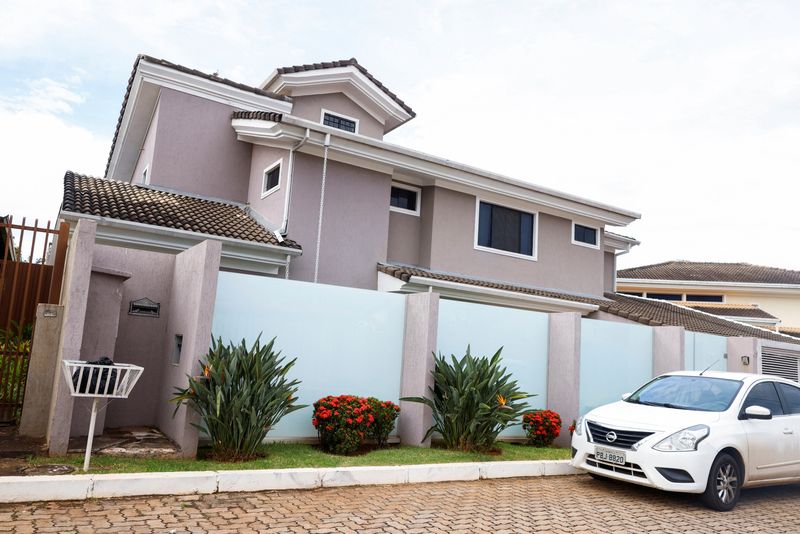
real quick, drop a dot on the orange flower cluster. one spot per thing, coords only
(343, 421)
(541, 427)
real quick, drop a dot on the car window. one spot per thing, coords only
(687, 392)
(764, 394)
(791, 396)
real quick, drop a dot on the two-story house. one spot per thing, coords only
(295, 179)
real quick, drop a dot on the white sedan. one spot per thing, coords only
(709, 433)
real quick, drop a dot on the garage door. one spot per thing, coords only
(780, 362)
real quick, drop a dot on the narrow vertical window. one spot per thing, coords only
(271, 180)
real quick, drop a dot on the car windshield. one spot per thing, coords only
(681, 392)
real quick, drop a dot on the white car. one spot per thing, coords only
(709, 433)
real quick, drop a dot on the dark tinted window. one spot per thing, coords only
(334, 121)
(704, 298)
(505, 229)
(272, 178)
(404, 199)
(764, 394)
(664, 296)
(791, 396)
(584, 234)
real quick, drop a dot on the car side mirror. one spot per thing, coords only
(757, 412)
(625, 396)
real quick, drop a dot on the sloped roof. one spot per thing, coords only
(751, 311)
(352, 62)
(123, 201)
(642, 310)
(712, 272)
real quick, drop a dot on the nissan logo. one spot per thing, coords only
(611, 437)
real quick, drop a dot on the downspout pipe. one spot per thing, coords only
(321, 205)
(284, 229)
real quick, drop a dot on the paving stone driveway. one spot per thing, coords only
(552, 504)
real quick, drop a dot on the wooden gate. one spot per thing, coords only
(31, 272)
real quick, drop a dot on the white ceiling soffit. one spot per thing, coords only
(384, 157)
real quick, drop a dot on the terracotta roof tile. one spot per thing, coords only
(642, 310)
(352, 62)
(712, 272)
(729, 310)
(258, 115)
(127, 202)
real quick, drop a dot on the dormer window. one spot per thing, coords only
(271, 181)
(340, 122)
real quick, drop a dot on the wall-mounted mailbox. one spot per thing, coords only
(144, 307)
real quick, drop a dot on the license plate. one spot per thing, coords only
(611, 456)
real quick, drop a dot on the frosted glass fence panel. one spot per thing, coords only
(616, 358)
(704, 351)
(345, 340)
(522, 334)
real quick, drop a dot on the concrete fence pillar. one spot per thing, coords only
(419, 344)
(669, 349)
(739, 347)
(564, 369)
(42, 369)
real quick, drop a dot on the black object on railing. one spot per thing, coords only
(93, 381)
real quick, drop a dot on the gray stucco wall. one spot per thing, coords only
(355, 222)
(310, 108)
(609, 271)
(560, 264)
(140, 340)
(197, 150)
(271, 207)
(404, 238)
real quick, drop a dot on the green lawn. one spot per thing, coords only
(288, 455)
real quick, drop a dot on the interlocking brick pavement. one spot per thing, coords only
(551, 504)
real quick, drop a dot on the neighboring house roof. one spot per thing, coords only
(711, 272)
(123, 201)
(751, 311)
(186, 70)
(352, 62)
(642, 310)
(790, 331)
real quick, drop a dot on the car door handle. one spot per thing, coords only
(788, 431)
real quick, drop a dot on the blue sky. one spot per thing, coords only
(688, 112)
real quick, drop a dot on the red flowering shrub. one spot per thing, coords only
(572, 427)
(342, 422)
(385, 413)
(541, 427)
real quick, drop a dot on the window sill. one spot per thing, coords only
(506, 253)
(586, 245)
(404, 211)
(267, 193)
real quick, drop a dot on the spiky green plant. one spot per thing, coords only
(242, 393)
(473, 399)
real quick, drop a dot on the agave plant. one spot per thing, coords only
(242, 393)
(473, 399)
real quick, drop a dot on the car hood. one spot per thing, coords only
(651, 418)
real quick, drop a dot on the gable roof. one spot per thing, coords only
(185, 70)
(641, 310)
(352, 62)
(712, 272)
(113, 199)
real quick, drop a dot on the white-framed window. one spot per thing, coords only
(405, 199)
(505, 230)
(585, 236)
(271, 179)
(146, 175)
(338, 121)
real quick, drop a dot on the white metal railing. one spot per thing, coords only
(95, 380)
(99, 381)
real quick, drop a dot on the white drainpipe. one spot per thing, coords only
(321, 205)
(289, 178)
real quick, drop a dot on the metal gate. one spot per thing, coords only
(780, 362)
(31, 272)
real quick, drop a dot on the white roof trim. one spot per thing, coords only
(483, 295)
(372, 153)
(237, 254)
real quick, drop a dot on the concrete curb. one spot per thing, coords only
(79, 487)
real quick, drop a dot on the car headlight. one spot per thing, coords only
(683, 440)
(579, 426)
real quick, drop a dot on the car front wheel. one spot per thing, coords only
(724, 483)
